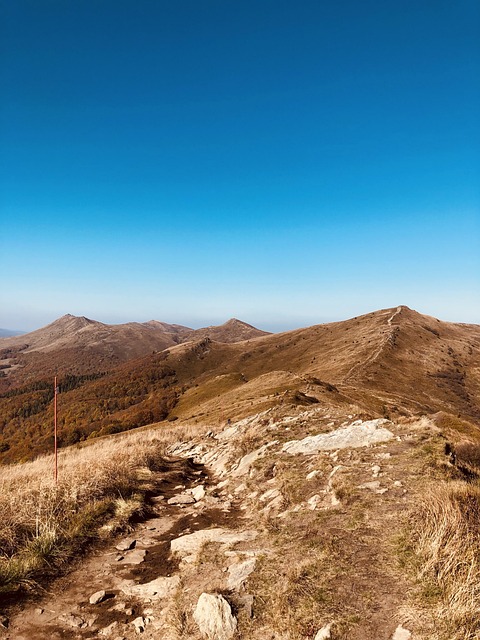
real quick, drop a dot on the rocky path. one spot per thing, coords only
(281, 530)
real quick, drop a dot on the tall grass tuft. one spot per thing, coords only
(446, 535)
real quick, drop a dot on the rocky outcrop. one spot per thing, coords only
(358, 434)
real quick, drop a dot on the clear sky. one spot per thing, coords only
(286, 163)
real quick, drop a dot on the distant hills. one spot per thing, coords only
(7, 333)
(79, 345)
(115, 377)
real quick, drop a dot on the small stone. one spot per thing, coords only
(373, 486)
(129, 612)
(97, 597)
(157, 499)
(137, 556)
(39, 611)
(126, 544)
(312, 474)
(324, 632)
(314, 502)
(401, 633)
(397, 483)
(198, 492)
(106, 631)
(4, 621)
(139, 624)
(72, 620)
(376, 470)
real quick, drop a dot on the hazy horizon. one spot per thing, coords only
(280, 163)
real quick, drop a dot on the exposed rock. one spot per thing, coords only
(72, 620)
(246, 601)
(358, 434)
(182, 498)
(39, 611)
(137, 556)
(107, 631)
(97, 597)
(373, 485)
(190, 544)
(376, 470)
(198, 492)
(314, 502)
(401, 633)
(324, 632)
(239, 572)
(269, 495)
(246, 462)
(157, 589)
(126, 544)
(4, 622)
(214, 618)
(139, 624)
(312, 474)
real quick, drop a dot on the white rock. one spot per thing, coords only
(312, 474)
(182, 498)
(198, 492)
(246, 462)
(401, 633)
(136, 556)
(97, 597)
(240, 489)
(269, 495)
(397, 483)
(214, 618)
(190, 544)
(158, 589)
(239, 572)
(356, 435)
(376, 470)
(314, 501)
(139, 624)
(126, 544)
(373, 486)
(324, 632)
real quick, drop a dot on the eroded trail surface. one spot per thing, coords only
(283, 527)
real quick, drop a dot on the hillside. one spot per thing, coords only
(81, 346)
(390, 362)
(319, 484)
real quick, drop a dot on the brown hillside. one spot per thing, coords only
(231, 331)
(79, 346)
(393, 361)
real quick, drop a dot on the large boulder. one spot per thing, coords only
(214, 617)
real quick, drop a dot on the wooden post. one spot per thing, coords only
(55, 473)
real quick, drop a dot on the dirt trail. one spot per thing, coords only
(263, 521)
(64, 611)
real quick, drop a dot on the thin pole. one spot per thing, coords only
(55, 430)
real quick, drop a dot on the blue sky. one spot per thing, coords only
(287, 163)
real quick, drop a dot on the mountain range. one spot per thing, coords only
(116, 377)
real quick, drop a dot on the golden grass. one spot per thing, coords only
(446, 534)
(42, 524)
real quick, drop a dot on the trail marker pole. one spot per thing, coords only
(55, 473)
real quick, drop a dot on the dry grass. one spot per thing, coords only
(42, 524)
(447, 549)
